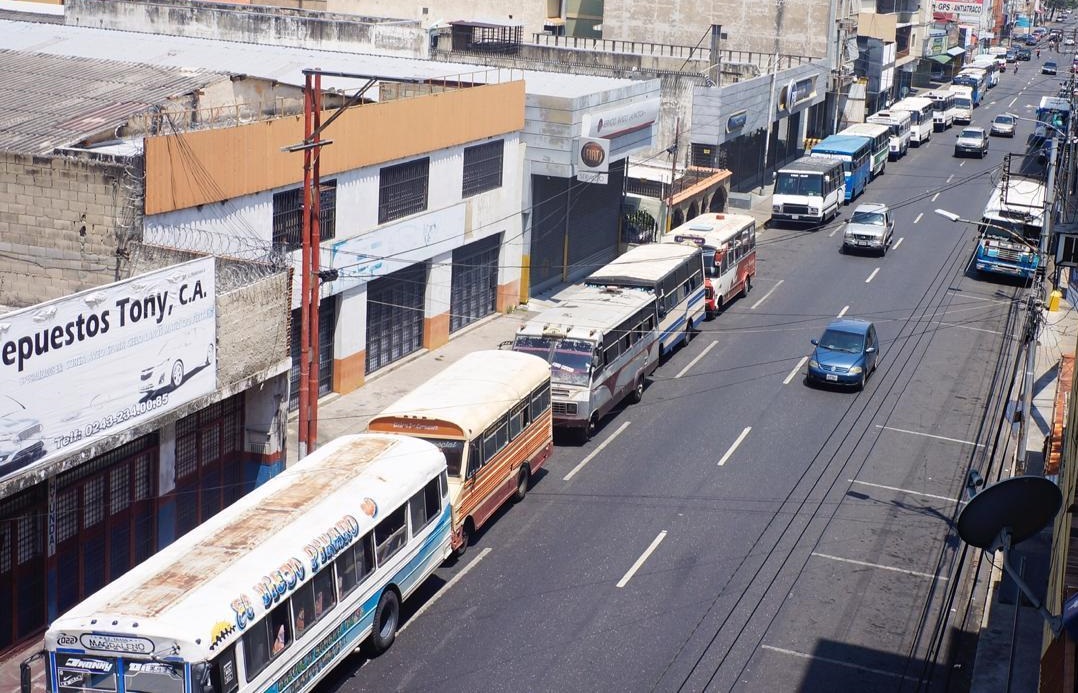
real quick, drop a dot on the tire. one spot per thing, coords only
(637, 395)
(386, 621)
(524, 479)
(861, 383)
(689, 334)
(465, 538)
(588, 431)
(177, 374)
(748, 284)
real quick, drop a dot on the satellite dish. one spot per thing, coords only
(1008, 513)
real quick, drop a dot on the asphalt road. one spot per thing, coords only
(737, 529)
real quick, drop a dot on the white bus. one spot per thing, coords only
(1011, 228)
(920, 110)
(601, 344)
(489, 414)
(963, 103)
(810, 191)
(880, 135)
(898, 122)
(991, 68)
(276, 589)
(674, 275)
(943, 108)
(729, 245)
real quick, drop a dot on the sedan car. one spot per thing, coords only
(1011, 55)
(1023, 54)
(845, 354)
(871, 228)
(1049, 67)
(1003, 125)
(971, 141)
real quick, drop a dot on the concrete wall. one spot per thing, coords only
(279, 26)
(431, 12)
(58, 225)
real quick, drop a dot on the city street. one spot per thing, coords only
(739, 529)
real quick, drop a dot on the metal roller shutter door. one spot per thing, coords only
(474, 292)
(395, 316)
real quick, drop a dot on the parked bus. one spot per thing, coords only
(1053, 114)
(1011, 228)
(963, 103)
(276, 589)
(898, 122)
(990, 67)
(489, 414)
(810, 191)
(855, 153)
(674, 275)
(728, 242)
(975, 80)
(943, 108)
(879, 136)
(601, 344)
(920, 110)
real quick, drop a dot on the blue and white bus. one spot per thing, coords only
(273, 591)
(674, 274)
(1011, 227)
(975, 80)
(855, 153)
(1053, 114)
(880, 137)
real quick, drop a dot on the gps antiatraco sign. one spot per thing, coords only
(85, 366)
(964, 7)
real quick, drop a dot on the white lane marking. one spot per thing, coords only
(730, 452)
(934, 197)
(696, 360)
(950, 178)
(961, 164)
(967, 327)
(897, 243)
(596, 451)
(643, 557)
(873, 275)
(445, 588)
(836, 662)
(1012, 102)
(918, 217)
(833, 232)
(843, 311)
(986, 298)
(763, 298)
(901, 490)
(795, 371)
(904, 571)
(931, 435)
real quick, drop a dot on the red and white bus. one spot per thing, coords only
(729, 245)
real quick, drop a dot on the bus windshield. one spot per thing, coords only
(789, 183)
(990, 228)
(77, 673)
(453, 451)
(961, 102)
(569, 359)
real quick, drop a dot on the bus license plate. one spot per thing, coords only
(832, 378)
(796, 217)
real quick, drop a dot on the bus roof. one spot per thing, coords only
(1025, 198)
(890, 116)
(185, 592)
(839, 144)
(714, 230)
(866, 130)
(641, 267)
(811, 164)
(941, 93)
(916, 102)
(1056, 103)
(470, 394)
(587, 313)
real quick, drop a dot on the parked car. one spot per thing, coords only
(972, 140)
(1023, 54)
(871, 228)
(1048, 68)
(1011, 55)
(1003, 125)
(845, 354)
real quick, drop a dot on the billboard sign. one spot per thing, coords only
(80, 368)
(963, 7)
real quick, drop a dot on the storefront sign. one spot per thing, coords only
(620, 121)
(86, 366)
(737, 121)
(592, 160)
(796, 93)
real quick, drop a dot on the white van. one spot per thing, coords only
(898, 122)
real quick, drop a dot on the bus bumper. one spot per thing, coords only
(808, 219)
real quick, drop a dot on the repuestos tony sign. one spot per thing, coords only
(85, 366)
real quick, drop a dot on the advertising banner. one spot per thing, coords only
(967, 7)
(80, 368)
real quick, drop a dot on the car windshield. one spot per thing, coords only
(839, 340)
(975, 134)
(872, 218)
(789, 183)
(1004, 120)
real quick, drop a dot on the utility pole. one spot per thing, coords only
(770, 114)
(310, 287)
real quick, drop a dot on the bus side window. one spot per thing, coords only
(223, 675)
(389, 535)
(353, 565)
(516, 420)
(256, 648)
(324, 597)
(540, 401)
(424, 507)
(475, 457)
(280, 630)
(303, 608)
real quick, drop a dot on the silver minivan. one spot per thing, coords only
(870, 229)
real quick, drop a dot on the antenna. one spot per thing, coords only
(1007, 513)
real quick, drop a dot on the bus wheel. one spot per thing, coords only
(588, 431)
(523, 480)
(638, 391)
(748, 284)
(465, 538)
(386, 619)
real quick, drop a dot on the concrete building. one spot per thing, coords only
(142, 387)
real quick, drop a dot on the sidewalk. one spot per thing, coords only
(1009, 645)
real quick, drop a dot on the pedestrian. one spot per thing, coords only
(1016, 68)
(1038, 54)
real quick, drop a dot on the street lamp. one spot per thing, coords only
(955, 218)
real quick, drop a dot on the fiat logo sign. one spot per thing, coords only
(592, 154)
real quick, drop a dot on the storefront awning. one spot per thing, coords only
(943, 59)
(956, 51)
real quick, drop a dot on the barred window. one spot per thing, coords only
(482, 168)
(402, 189)
(288, 215)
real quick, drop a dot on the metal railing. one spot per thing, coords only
(666, 50)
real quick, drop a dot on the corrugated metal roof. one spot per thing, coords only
(49, 101)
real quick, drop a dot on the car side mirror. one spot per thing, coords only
(815, 342)
(870, 350)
